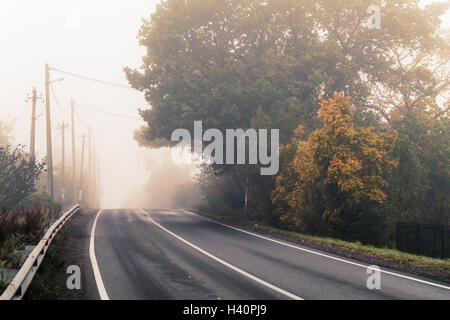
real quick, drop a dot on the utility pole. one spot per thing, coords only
(81, 168)
(34, 99)
(63, 147)
(74, 169)
(49, 132)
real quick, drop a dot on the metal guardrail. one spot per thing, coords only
(19, 285)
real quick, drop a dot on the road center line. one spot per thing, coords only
(97, 275)
(228, 265)
(318, 253)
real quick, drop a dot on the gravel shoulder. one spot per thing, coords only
(75, 251)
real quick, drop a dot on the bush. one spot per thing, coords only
(24, 225)
(8, 247)
(17, 175)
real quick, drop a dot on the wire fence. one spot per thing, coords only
(432, 240)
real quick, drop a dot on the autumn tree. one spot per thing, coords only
(267, 63)
(336, 179)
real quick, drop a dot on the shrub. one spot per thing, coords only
(25, 224)
(17, 175)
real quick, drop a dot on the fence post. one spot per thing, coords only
(418, 239)
(397, 237)
(442, 242)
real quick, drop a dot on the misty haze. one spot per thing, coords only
(225, 150)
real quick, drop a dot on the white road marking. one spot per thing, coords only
(318, 253)
(97, 275)
(228, 265)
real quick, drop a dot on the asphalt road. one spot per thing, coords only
(174, 254)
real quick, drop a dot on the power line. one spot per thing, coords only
(56, 100)
(79, 118)
(93, 79)
(109, 113)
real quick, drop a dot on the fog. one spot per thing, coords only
(98, 42)
(166, 178)
(95, 39)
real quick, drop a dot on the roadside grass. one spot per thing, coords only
(44, 284)
(8, 251)
(50, 279)
(24, 225)
(3, 285)
(391, 255)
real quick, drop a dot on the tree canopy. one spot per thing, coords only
(229, 63)
(269, 63)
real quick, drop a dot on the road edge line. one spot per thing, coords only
(97, 275)
(318, 253)
(226, 264)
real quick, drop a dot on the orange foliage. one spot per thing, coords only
(338, 164)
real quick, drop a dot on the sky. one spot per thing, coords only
(95, 38)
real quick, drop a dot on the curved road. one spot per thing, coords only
(175, 254)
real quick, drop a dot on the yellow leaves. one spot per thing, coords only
(337, 118)
(336, 157)
(197, 73)
(344, 174)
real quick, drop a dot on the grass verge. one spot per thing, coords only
(43, 286)
(382, 253)
(3, 285)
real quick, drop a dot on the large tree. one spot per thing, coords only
(267, 63)
(221, 61)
